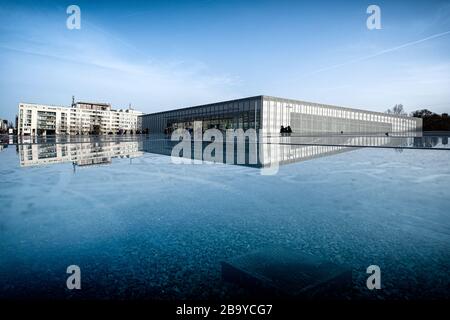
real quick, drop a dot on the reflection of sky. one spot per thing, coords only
(158, 54)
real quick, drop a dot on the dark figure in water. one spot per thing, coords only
(387, 134)
(342, 132)
(288, 129)
(282, 129)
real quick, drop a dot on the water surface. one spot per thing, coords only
(140, 226)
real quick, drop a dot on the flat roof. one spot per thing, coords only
(43, 105)
(338, 107)
(94, 103)
(205, 105)
(33, 104)
(279, 99)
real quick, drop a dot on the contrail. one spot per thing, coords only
(380, 53)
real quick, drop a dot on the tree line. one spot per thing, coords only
(431, 121)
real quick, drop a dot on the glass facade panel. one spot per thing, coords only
(272, 113)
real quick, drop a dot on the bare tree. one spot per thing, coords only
(397, 109)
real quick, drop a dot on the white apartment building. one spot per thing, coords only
(81, 118)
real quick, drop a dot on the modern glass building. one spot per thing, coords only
(270, 113)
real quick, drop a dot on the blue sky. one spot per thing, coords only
(159, 55)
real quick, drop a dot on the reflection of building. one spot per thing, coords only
(271, 153)
(81, 154)
(255, 154)
(258, 152)
(280, 150)
(81, 118)
(285, 150)
(3, 126)
(269, 114)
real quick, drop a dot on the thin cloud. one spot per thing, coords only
(408, 44)
(118, 70)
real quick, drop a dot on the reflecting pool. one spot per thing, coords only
(141, 226)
